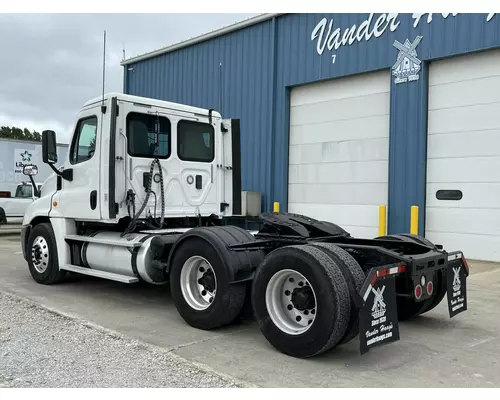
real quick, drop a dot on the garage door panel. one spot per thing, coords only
(475, 247)
(360, 172)
(474, 195)
(337, 193)
(352, 129)
(471, 169)
(470, 118)
(458, 69)
(347, 151)
(340, 214)
(477, 91)
(476, 143)
(358, 220)
(356, 86)
(339, 150)
(457, 220)
(335, 110)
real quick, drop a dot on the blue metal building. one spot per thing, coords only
(250, 71)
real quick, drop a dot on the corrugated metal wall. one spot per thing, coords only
(261, 63)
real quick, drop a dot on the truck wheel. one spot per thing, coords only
(407, 307)
(301, 301)
(200, 276)
(3, 217)
(42, 257)
(354, 276)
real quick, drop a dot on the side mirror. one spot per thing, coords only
(49, 147)
(30, 170)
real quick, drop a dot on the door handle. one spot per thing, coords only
(93, 199)
(199, 183)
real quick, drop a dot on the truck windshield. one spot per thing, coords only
(141, 130)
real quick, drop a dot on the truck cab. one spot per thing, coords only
(109, 164)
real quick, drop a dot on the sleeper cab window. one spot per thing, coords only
(148, 136)
(195, 141)
(83, 146)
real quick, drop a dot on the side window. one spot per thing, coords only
(84, 141)
(148, 135)
(24, 191)
(195, 141)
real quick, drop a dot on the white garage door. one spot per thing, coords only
(464, 155)
(339, 148)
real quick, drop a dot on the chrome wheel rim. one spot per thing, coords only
(291, 302)
(198, 283)
(40, 254)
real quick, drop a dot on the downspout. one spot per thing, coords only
(274, 73)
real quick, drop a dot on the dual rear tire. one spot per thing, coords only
(301, 296)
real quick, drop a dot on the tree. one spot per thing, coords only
(13, 132)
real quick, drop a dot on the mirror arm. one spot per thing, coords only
(67, 174)
(35, 189)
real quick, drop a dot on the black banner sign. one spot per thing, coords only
(378, 318)
(457, 288)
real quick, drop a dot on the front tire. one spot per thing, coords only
(301, 301)
(42, 257)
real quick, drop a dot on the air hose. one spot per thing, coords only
(131, 196)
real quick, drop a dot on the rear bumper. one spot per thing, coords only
(378, 313)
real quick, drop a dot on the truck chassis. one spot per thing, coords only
(310, 284)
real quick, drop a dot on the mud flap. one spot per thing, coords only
(456, 284)
(378, 316)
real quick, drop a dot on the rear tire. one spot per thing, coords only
(317, 282)
(215, 302)
(41, 252)
(3, 217)
(354, 276)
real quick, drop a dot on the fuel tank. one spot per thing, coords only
(119, 256)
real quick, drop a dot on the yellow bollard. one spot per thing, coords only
(276, 207)
(414, 220)
(382, 220)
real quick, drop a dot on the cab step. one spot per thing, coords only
(99, 274)
(89, 239)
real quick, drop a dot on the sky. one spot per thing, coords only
(51, 64)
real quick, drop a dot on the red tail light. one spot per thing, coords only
(464, 262)
(430, 287)
(418, 292)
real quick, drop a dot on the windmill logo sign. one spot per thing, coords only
(24, 157)
(407, 65)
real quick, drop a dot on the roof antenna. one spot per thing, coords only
(103, 107)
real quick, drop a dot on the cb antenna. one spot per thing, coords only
(103, 108)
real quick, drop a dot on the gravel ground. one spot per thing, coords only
(41, 348)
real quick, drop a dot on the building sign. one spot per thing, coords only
(24, 157)
(407, 64)
(327, 36)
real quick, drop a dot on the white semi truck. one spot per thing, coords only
(145, 194)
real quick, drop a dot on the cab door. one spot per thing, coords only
(78, 198)
(198, 158)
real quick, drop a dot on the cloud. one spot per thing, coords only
(52, 63)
